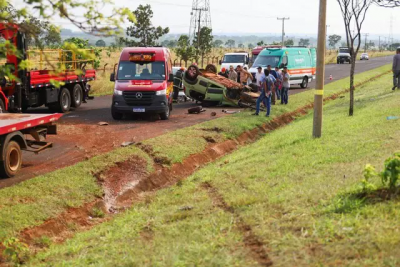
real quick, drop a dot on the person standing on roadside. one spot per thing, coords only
(232, 75)
(244, 75)
(273, 78)
(285, 86)
(396, 70)
(223, 73)
(259, 78)
(177, 85)
(249, 80)
(266, 93)
(278, 83)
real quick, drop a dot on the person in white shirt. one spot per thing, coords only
(259, 77)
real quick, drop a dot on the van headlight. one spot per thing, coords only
(117, 92)
(161, 92)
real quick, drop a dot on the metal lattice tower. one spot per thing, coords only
(201, 17)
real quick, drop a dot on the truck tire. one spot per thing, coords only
(77, 96)
(191, 74)
(64, 102)
(304, 83)
(12, 160)
(165, 115)
(116, 115)
(2, 106)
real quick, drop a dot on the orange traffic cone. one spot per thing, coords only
(330, 77)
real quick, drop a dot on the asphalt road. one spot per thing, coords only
(80, 137)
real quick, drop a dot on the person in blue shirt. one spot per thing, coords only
(266, 92)
(274, 76)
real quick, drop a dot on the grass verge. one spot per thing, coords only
(51, 194)
(285, 195)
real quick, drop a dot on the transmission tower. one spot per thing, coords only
(201, 17)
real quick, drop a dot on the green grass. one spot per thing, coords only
(284, 186)
(32, 202)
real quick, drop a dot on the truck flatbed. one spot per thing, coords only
(14, 132)
(10, 122)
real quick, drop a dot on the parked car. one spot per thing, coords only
(364, 56)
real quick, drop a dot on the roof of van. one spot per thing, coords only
(161, 52)
(281, 51)
(238, 53)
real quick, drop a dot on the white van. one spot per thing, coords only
(235, 59)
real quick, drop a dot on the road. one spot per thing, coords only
(80, 137)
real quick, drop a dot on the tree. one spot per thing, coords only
(388, 3)
(333, 40)
(304, 42)
(53, 36)
(289, 42)
(230, 43)
(203, 43)
(250, 46)
(172, 43)
(101, 43)
(241, 46)
(217, 43)
(354, 13)
(142, 29)
(260, 43)
(184, 50)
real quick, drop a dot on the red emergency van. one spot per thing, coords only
(143, 82)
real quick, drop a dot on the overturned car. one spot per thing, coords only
(211, 89)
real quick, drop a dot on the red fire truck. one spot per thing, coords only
(35, 88)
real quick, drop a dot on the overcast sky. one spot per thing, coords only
(259, 16)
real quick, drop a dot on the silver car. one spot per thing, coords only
(364, 56)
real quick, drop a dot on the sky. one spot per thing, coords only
(238, 17)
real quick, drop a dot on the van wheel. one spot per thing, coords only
(304, 84)
(191, 74)
(77, 96)
(165, 116)
(64, 102)
(12, 160)
(116, 115)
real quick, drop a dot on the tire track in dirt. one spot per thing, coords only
(251, 241)
(59, 228)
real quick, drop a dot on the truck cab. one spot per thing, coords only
(344, 55)
(143, 82)
(235, 59)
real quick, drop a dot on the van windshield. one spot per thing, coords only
(234, 59)
(141, 71)
(264, 61)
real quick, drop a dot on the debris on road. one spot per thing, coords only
(125, 144)
(196, 110)
(230, 111)
(103, 123)
(213, 114)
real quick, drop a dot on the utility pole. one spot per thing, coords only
(283, 29)
(319, 91)
(379, 46)
(365, 48)
(200, 18)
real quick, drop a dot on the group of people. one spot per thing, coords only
(272, 84)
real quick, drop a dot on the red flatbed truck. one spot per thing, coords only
(23, 132)
(36, 88)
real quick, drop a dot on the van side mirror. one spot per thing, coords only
(171, 77)
(112, 77)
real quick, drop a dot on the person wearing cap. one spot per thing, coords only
(285, 86)
(232, 75)
(178, 82)
(223, 73)
(396, 70)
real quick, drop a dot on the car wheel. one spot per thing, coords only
(77, 96)
(64, 101)
(12, 160)
(191, 74)
(211, 68)
(304, 83)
